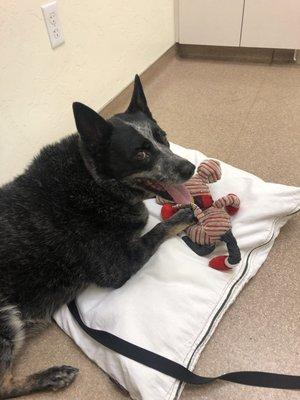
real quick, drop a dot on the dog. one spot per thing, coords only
(74, 218)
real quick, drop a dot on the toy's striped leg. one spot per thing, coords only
(224, 263)
(232, 247)
(201, 250)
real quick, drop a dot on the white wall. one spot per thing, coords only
(106, 43)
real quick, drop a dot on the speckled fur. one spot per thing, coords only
(74, 218)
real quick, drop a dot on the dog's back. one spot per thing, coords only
(46, 216)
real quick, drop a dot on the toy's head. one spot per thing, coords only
(209, 171)
(131, 148)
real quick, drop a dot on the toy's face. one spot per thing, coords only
(132, 148)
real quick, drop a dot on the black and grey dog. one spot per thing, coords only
(74, 217)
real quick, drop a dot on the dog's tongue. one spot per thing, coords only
(179, 194)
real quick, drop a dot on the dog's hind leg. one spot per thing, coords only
(12, 334)
(11, 339)
(51, 379)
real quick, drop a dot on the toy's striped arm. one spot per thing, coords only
(228, 200)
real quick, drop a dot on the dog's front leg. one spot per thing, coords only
(140, 250)
(146, 245)
(115, 268)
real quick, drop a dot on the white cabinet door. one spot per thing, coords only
(271, 23)
(210, 22)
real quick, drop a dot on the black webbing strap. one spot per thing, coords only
(177, 371)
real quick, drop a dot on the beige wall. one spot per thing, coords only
(106, 42)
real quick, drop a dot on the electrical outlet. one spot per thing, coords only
(53, 24)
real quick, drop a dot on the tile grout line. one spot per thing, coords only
(250, 109)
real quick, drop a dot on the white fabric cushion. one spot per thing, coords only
(173, 304)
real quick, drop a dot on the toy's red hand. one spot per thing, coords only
(232, 210)
(167, 211)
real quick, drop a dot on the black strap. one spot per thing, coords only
(177, 371)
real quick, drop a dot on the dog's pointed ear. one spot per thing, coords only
(138, 100)
(92, 128)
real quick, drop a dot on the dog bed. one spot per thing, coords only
(174, 303)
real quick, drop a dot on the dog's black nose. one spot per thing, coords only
(187, 170)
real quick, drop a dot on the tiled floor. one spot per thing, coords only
(247, 115)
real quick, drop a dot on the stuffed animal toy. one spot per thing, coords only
(213, 217)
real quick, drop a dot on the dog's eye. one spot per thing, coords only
(142, 155)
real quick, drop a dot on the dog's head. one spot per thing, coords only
(132, 148)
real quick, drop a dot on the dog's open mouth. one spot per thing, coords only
(178, 193)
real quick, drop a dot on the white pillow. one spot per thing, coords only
(173, 305)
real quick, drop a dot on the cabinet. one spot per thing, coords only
(246, 23)
(210, 22)
(271, 23)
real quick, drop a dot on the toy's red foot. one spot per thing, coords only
(219, 263)
(167, 211)
(232, 210)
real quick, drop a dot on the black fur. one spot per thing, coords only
(74, 218)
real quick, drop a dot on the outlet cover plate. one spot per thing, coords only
(53, 24)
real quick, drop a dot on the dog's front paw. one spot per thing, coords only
(184, 215)
(180, 221)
